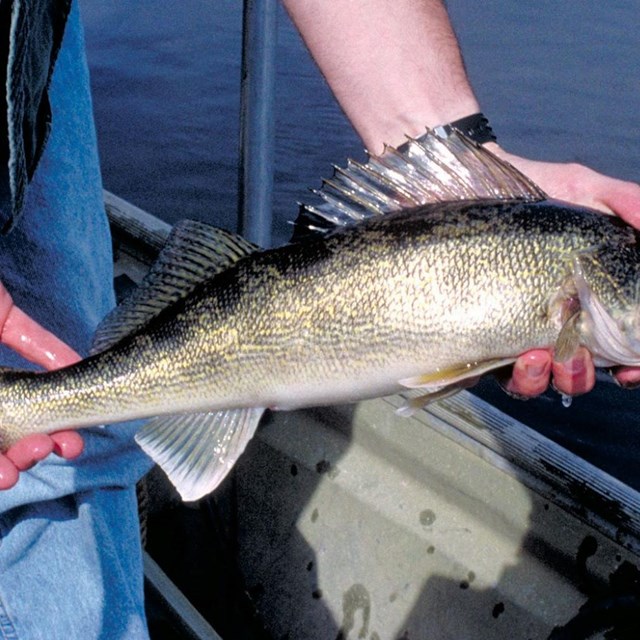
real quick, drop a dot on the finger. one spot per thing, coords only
(582, 186)
(531, 373)
(623, 199)
(628, 377)
(8, 473)
(31, 449)
(67, 444)
(32, 341)
(575, 376)
(25, 453)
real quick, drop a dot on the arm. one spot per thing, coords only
(395, 67)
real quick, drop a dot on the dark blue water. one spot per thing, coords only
(166, 93)
(560, 81)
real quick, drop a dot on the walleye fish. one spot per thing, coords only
(424, 268)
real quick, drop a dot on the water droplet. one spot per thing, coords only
(566, 400)
(427, 517)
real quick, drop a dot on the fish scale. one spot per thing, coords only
(427, 297)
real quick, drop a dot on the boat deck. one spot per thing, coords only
(351, 522)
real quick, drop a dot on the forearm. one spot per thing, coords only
(394, 65)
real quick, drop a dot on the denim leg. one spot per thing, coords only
(70, 558)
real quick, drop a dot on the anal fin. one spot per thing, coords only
(198, 450)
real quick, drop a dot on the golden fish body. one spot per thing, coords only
(337, 319)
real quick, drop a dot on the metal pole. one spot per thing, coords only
(257, 125)
(192, 624)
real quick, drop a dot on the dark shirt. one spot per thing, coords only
(30, 36)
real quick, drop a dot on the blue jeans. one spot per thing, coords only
(70, 558)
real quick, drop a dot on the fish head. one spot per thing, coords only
(607, 282)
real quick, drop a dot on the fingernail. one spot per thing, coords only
(535, 370)
(576, 365)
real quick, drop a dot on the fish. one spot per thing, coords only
(423, 268)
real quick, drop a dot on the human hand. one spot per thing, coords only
(580, 185)
(25, 336)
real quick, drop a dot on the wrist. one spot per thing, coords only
(475, 127)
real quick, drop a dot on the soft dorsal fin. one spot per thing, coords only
(193, 253)
(421, 171)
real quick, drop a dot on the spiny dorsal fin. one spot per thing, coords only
(421, 171)
(193, 253)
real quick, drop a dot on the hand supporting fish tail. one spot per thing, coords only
(32, 341)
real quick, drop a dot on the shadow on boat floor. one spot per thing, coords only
(193, 544)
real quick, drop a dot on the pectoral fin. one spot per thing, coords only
(198, 450)
(455, 374)
(568, 339)
(446, 382)
(415, 403)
